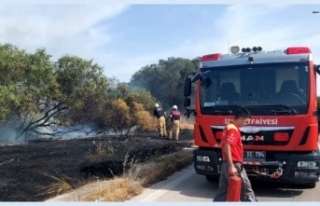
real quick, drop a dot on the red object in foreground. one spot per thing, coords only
(234, 189)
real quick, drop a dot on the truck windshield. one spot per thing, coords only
(263, 89)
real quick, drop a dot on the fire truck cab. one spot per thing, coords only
(278, 87)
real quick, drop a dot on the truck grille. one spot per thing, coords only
(258, 135)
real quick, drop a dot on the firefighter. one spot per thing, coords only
(159, 113)
(232, 155)
(175, 117)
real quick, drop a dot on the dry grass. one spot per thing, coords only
(140, 176)
(185, 125)
(60, 184)
(118, 190)
(163, 167)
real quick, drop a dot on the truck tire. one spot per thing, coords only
(212, 178)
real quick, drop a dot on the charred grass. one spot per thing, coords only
(40, 170)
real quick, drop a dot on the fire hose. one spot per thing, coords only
(274, 175)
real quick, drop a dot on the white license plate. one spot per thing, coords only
(254, 155)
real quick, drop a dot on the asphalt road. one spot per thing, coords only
(187, 186)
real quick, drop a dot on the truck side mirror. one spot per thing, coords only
(187, 102)
(196, 77)
(201, 76)
(187, 87)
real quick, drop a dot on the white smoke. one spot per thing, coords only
(8, 136)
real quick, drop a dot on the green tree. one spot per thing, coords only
(165, 80)
(37, 93)
(28, 89)
(83, 87)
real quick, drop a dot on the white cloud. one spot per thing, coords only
(61, 29)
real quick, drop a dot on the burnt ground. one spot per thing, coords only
(40, 170)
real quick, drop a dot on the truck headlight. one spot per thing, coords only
(307, 164)
(203, 158)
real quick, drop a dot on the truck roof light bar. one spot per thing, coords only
(211, 57)
(298, 50)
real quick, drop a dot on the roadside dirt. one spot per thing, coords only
(40, 170)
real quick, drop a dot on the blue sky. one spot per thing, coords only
(124, 38)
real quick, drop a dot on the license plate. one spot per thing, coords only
(254, 155)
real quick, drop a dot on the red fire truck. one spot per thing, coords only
(279, 89)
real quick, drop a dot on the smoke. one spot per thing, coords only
(8, 136)
(62, 132)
